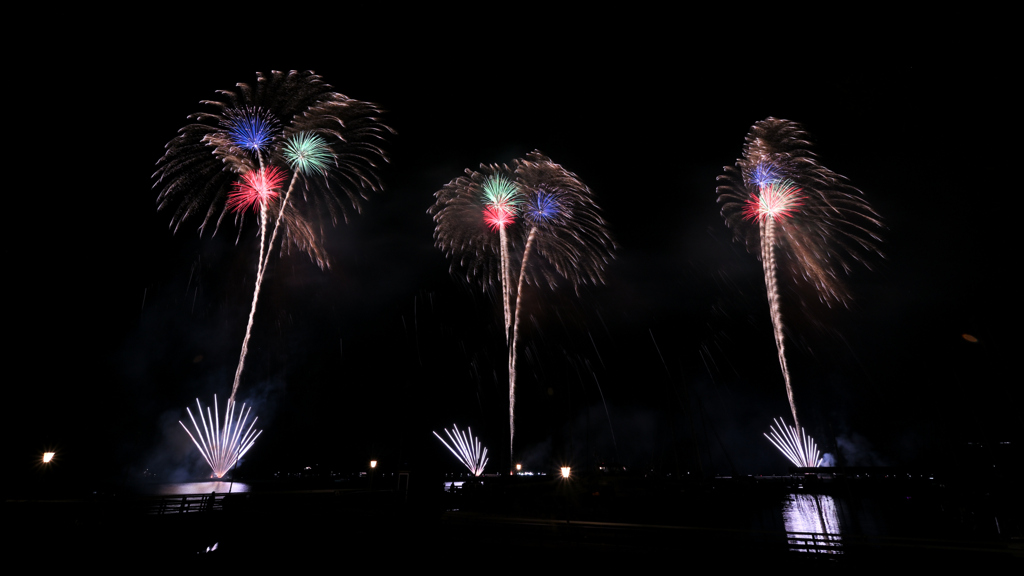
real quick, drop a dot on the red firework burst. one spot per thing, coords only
(777, 200)
(498, 217)
(256, 188)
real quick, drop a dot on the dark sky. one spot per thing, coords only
(119, 324)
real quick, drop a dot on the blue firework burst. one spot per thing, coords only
(250, 128)
(765, 174)
(543, 207)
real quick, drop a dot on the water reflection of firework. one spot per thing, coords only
(222, 447)
(467, 449)
(812, 523)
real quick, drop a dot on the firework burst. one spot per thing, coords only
(775, 200)
(466, 448)
(256, 189)
(286, 119)
(222, 447)
(498, 219)
(569, 233)
(252, 129)
(308, 153)
(822, 224)
(558, 222)
(799, 216)
(471, 214)
(291, 119)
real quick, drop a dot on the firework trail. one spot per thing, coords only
(798, 215)
(248, 139)
(566, 230)
(467, 449)
(557, 220)
(222, 447)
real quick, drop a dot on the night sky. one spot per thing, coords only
(119, 324)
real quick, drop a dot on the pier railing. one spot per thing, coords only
(184, 503)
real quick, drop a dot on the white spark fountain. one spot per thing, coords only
(469, 452)
(222, 447)
(795, 444)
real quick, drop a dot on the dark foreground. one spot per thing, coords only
(505, 524)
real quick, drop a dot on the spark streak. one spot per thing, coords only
(222, 447)
(795, 444)
(469, 449)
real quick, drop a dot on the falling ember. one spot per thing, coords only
(222, 447)
(795, 444)
(256, 189)
(470, 452)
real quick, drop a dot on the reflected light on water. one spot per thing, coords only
(202, 488)
(814, 519)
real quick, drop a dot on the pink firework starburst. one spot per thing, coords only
(256, 188)
(498, 216)
(777, 200)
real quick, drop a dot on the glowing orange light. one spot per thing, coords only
(970, 338)
(519, 467)
(47, 456)
(565, 471)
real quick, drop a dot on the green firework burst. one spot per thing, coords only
(307, 153)
(500, 192)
